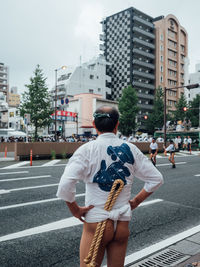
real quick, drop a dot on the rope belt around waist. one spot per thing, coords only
(90, 260)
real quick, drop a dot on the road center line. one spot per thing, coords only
(65, 223)
(7, 173)
(165, 164)
(25, 178)
(161, 245)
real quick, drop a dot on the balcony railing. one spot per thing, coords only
(144, 64)
(145, 96)
(144, 85)
(147, 106)
(147, 44)
(143, 53)
(143, 21)
(136, 29)
(143, 74)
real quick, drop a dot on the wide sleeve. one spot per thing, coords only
(76, 169)
(145, 171)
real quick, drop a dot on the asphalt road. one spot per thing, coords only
(36, 229)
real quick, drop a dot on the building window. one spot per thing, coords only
(161, 47)
(161, 58)
(11, 114)
(91, 91)
(161, 68)
(91, 76)
(161, 78)
(161, 37)
(99, 89)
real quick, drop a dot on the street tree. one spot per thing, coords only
(156, 117)
(36, 101)
(179, 113)
(128, 111)
(194, 112)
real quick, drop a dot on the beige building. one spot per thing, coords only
(171, 51)
(13, 100)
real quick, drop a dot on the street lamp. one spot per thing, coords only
(56, 71)
(190, 86)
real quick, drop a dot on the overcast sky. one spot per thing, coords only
(54, 33)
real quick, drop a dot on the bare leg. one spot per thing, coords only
(87, 237)
(116, 249)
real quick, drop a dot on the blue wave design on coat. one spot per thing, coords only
(105, 177)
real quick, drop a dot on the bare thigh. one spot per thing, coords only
(87, 237)
(116, 249)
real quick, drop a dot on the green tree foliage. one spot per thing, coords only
(193, 111)
(128, 111)
(36, 101)
(156, 118)
(179, 114)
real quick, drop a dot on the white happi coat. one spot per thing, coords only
(100, 162)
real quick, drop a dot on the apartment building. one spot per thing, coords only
(171, 57)
(128, 44)
(4, 79)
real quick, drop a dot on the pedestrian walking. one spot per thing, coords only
(99, 164)
(189, 144)
(179, 142)
(171, 150)
(153, 151)
(185, 142)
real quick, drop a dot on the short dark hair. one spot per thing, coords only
(106, 118)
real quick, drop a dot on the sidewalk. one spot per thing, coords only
(181, 254)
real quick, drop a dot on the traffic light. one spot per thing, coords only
(145, 117)
(185, 109)
(192, 86)
(60, 128)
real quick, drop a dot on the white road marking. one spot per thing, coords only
(197, 174)
(161, 245)
(151, 202)
(165, 164)
(7, 173)
(159, 156)
(51, 163)
(41, 166)
(65, 223)
(25, 188)
(16, 165)
(25, 178)
(35, 202)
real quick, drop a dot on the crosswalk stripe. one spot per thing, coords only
(197, 174)
(25, 178)
(7, 173)
(35, 202)
(17, 165)
(65, 223)
(165, 164)
(4, 191)
(51, 163)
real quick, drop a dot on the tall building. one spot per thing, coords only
(171, 52)
(4, 79)
(128, 45)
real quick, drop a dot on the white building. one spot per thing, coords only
(14, 120)
(3, 111)
(90, 77)
(193, 79)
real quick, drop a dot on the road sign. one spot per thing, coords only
(27, 118)
(62, 101)
(66, 100)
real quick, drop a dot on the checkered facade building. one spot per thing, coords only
(128, 45)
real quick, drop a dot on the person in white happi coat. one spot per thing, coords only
(98, 164)
(153, 151)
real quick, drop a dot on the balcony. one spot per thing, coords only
(144, 64)
(147, 44)
(101, 47)
(143, 21)
(101, 37)
(143, 74)
(147, 106)
(145, 96)
(143, 53)
(138, 30)
(144, 85)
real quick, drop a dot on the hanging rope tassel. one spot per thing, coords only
(90, 260)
